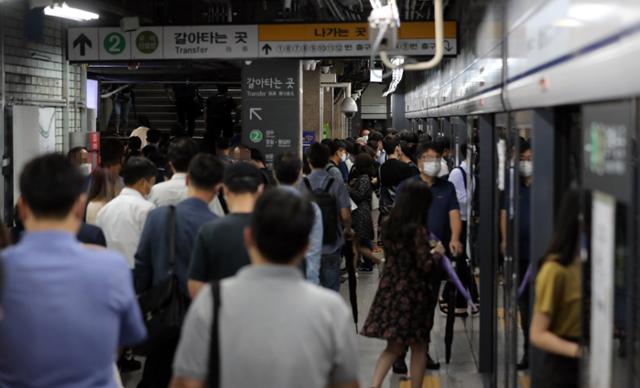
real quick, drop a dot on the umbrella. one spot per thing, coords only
(353, 282)
(451, 317)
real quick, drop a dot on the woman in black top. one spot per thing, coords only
(361, 190)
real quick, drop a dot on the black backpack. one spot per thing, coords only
(329, 208)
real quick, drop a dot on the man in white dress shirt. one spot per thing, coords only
(173, 191)
(123, 218)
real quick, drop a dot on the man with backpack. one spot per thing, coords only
(332, 197)
(392, 173)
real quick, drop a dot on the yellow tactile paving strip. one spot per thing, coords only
(430, 381)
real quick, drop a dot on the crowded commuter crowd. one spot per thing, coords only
(221, 270)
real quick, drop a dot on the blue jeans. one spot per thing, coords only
(330, 271)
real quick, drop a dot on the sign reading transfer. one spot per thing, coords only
(323, 40)
(271, 107)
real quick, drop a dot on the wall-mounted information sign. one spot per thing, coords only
(272, 106)
(249, 41)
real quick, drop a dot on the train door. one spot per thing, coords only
(610, 324)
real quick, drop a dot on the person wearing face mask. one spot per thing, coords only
(525, 166)
(443, 220)
(337, 167)
(122, 219)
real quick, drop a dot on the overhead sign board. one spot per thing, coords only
(272, 106)
(249, 41)
(347, 40)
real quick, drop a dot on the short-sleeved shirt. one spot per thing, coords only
(276, 330)
(559, 295)
(319, 179)
(393, 172)
(67, 308)
(219, 250)
(443, 201)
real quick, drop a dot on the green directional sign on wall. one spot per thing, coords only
(147, 42)
(115, 43)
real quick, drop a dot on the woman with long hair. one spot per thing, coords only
(556, 324)
(400, 312)
(361, 191)
(103, 189)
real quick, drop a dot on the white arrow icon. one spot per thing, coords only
(254, 112)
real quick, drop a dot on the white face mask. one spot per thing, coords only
(85, 168)
(343, 157)
(431, 168)
(526, 168)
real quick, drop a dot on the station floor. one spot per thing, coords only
(461, 372)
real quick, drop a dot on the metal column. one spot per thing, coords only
(488, 247)
(543, 140)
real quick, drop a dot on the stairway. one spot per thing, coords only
(152, 100)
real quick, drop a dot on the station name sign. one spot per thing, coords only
(248, 41)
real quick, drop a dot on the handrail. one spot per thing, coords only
(439, 53)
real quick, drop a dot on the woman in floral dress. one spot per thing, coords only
(400, 311)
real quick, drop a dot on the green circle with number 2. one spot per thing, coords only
(115, 43)
(256, 136)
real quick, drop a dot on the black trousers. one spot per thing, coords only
(554, 371)
(524, 305)
(158, 365)
(186, 114)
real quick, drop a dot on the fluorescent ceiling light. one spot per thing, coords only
(66, 12)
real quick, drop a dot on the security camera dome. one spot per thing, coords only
(349, 107)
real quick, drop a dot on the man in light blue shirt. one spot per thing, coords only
(288, 169)
(67, 307)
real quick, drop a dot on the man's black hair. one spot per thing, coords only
(222, 143)
(444, 142)
(318, 155)
(326, 142)
(153, 136)
(134, 143)
(287, 168)
(337, 145)
(281, 224)
(375, 136)
(205, 171)
(111, 152)
(51, 185)
(181, 151)
(243, 178)
(390, 143)
(524, 146)
(463, 151)
(257, 155)
(424, 147)
(143, 121)
(138, 168)
(408, 136)
(73, 153)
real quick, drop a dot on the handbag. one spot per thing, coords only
(214, 347)
(163, 306)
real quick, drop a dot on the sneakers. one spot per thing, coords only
(128, 364)
(400, 367)
(431, 364)
(524, 363)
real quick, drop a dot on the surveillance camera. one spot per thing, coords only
(349, 107)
